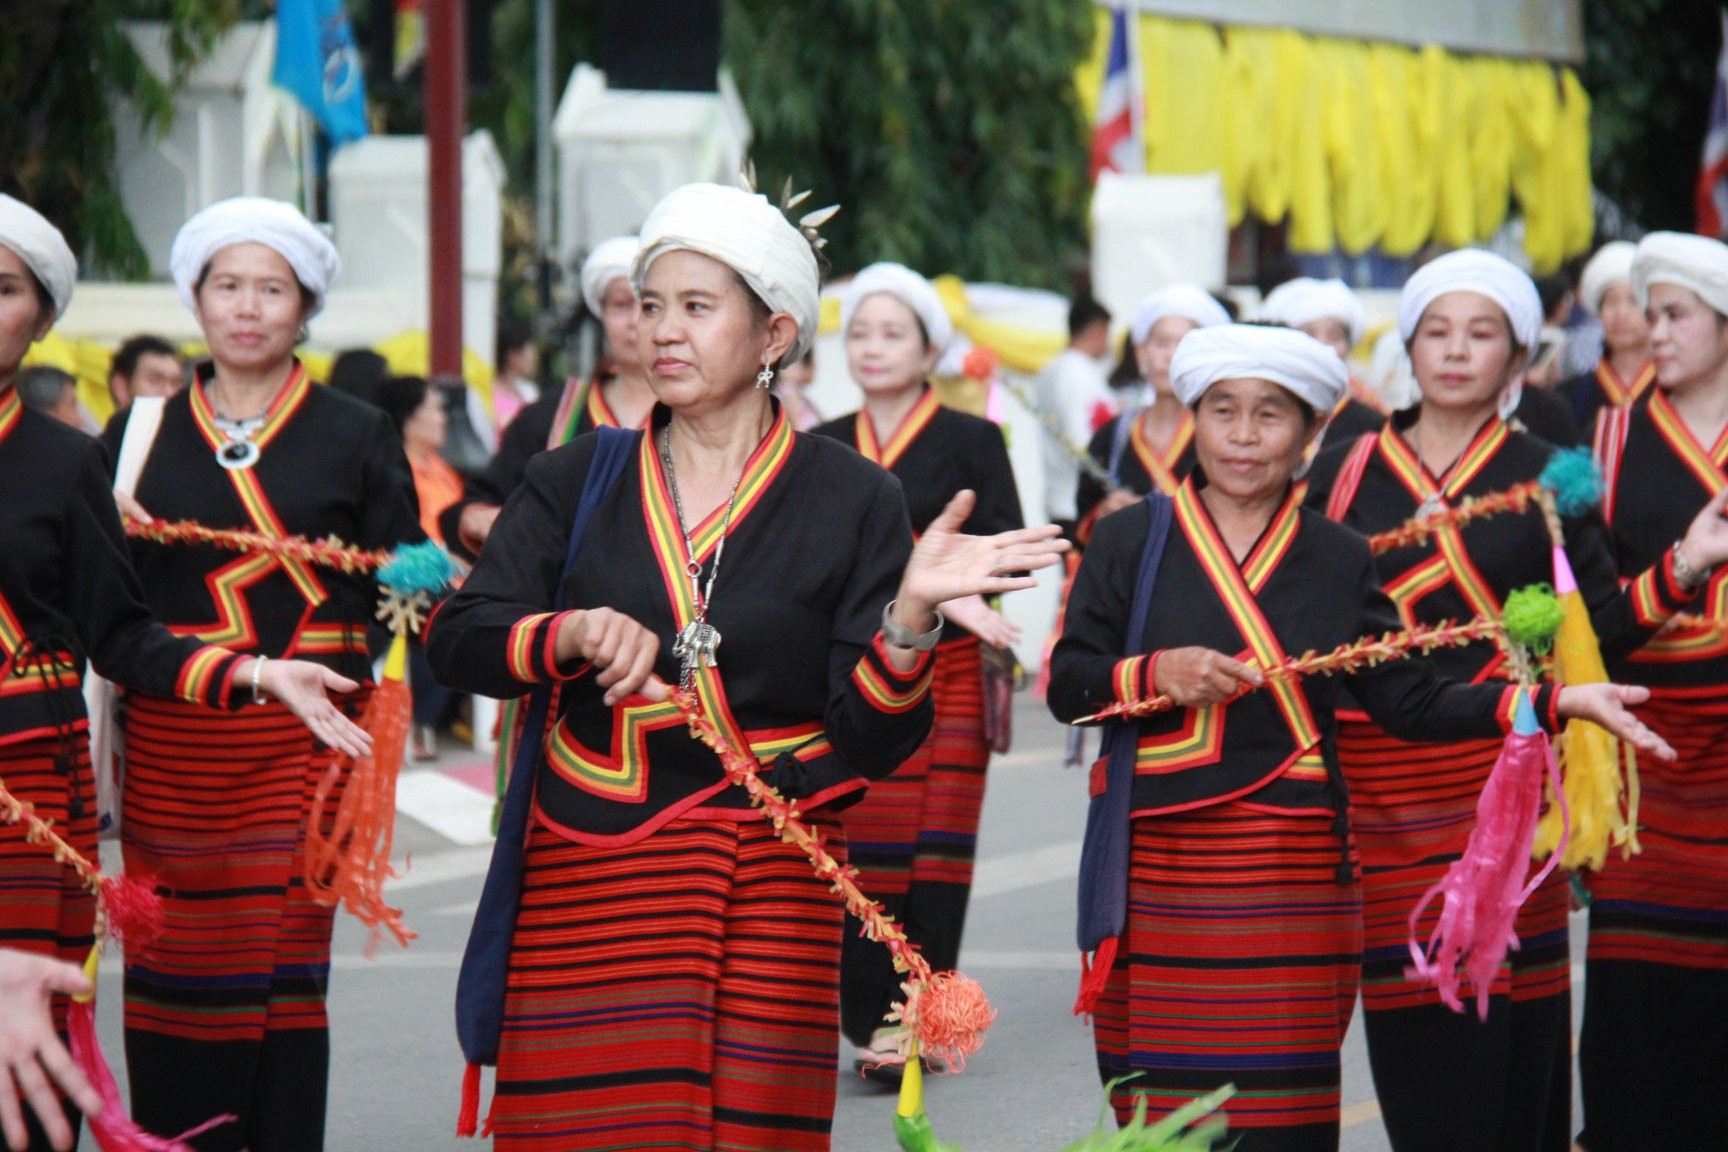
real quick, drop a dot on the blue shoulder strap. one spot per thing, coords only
(485, 962)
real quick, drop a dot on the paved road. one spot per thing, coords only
(396, 1068)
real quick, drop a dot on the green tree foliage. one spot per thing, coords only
(1649, 67)
(63, 63)
(949, 130)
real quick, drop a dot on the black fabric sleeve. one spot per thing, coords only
(998, 506)
(1090, 492)
(1084, 664)
(876, 715)
(123, 640)
(524, 438)
(493, 636)
(390, 507)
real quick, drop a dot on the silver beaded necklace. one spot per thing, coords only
(698, 639)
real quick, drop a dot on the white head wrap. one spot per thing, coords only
(41, 247)
(906, 286)
(611, 260)
(1305, 300)
(749, 235)
(1176, 300)
(254, 220)
(1295, 360)
(1694, 262)
(1611, 265)
(1472, 270)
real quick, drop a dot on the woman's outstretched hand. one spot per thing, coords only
(947, 564)
(305, 688)
(1605, 705)
(32, 1058)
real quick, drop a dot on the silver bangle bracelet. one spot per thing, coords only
(1687, 576)
(258, 696)
(897, 635)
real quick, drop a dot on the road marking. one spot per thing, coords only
(439, 868)
(1017, 871)
(972, 959)
(1363, 1113)
(452, 809)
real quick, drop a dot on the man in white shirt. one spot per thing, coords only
(1074, 391)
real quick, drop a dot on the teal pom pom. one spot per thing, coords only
(1532, 616)
(1575, 481)
(416, 568)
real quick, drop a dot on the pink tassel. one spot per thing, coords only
(1484, 888)
(114, 1129)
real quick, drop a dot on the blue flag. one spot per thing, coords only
(316, 61)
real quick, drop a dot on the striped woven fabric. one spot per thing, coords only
(1238, 966)
(1653, 1057)
(43, 908)
(679, 992)
(1446, 1080)
(913, 839)
(225, 1014)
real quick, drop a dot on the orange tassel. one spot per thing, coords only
(348, 854)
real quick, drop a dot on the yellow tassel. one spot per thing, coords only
(912, 1086)
(90, 974)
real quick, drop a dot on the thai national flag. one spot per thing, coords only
(1712, 195)
(1116, 135)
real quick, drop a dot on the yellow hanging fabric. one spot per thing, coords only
(1310, 181)
(1250, 96)
(1536, 112)
(1578, 208)
(1183, 70)
(1353, 147)
(1272, 56)
(1455, 201)
(1395, 87)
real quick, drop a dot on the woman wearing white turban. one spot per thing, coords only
(1447, 1081)
(1625, 372)
(914, 836)
(68, 593)
(1149, 445)
(1652, 1060)
(1330, 312)
(616, 396)
(226, 1014)
(723, 524)
(1237, 956)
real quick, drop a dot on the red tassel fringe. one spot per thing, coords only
(1094, 975)
(115, 1130)
(468, 1119)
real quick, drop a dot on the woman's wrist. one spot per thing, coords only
(1688, 574)
(913, 614)
(565, 647)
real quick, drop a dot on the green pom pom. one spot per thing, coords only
(416, 568)
(1575, 481)
(1532, 615)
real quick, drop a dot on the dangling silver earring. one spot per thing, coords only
(765, 378)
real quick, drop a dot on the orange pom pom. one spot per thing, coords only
(980, 363)
(949, 1015)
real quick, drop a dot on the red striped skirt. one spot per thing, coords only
(43, 907)
(1238, 966)
(920, 825)
(1653, 1057)
(1412, 809)
(215, 809)
(678, 992)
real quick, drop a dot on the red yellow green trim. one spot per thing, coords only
(1706, 466)
(1619, 393)
(10, 409)
(197, 673)
(889, 455)
(1199, 741)
(893, 696)
(1236, 588)
(1161, 466)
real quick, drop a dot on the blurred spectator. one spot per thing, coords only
(1075, 394)
(790, 383)
(145, 365)
(417, 411)
(358, 372)
(53, 392)
(515, 386)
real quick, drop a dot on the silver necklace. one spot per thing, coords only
(1431, 502)
(238, 450)
(698, 639)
